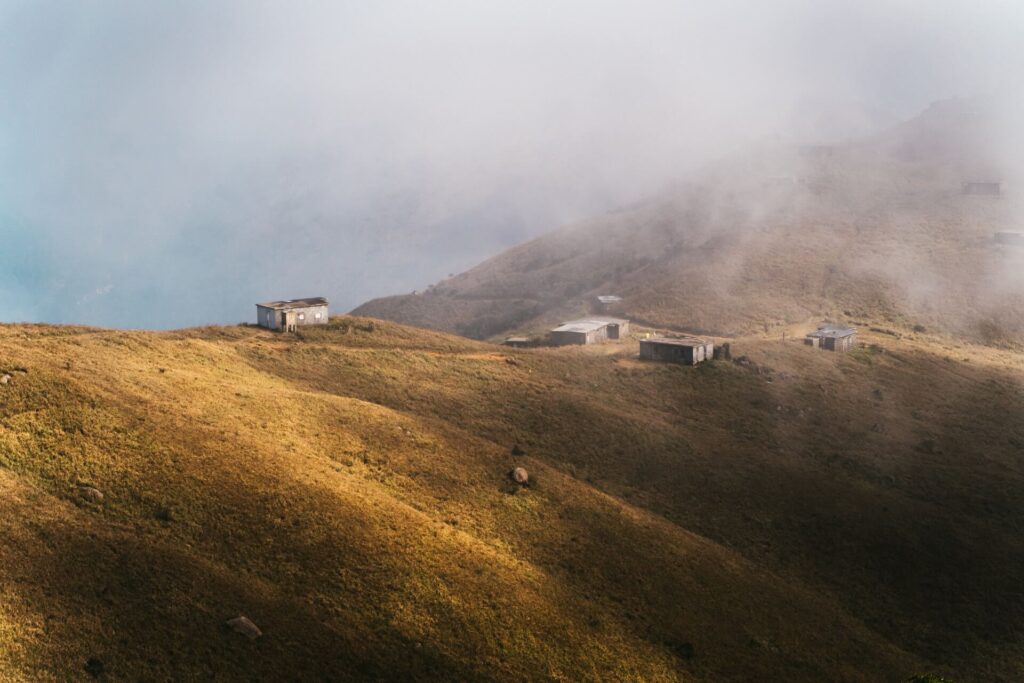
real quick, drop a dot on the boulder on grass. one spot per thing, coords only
(94, 667)
(520, 476)
(243, 625)
(91, 494)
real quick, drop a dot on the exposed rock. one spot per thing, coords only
(91, 494)
(94, 667)
(5, 379)
(243, 625)
(681, 649)
(520, 476)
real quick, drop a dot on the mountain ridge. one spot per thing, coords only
(875, 229)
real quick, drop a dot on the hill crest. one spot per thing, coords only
(346, 488)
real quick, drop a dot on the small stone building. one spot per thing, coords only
(685, 350)
(606, 302)
(288, 315)
(517, 342)
(832, 338)
(988, 188)
(589, 331)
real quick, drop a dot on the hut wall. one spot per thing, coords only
(673, 353)
(275, 318)
(566, 338)
(266, 317)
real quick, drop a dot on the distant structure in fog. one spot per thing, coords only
(517, 342)
(987, 188)
(288, 315)
(832, 338)
(685, 350)
(589, 331)
(607, 301)
(1009, 237)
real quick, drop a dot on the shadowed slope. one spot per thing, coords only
(346, 489)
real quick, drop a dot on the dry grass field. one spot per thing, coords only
(797, 516)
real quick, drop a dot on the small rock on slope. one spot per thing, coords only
(520, 475)
(244, 625)
(91, 494)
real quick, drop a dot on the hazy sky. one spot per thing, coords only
(170, 163)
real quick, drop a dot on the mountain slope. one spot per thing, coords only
(776, 235)
(346, 489)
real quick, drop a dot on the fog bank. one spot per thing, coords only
(169, 164)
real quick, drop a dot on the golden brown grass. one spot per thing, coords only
(346, 488)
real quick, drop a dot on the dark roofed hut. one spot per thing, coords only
(685, 350)
(287, 315)
(517, 342)
(832, 338)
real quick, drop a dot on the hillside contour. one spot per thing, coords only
(878, 228)
(796, 515)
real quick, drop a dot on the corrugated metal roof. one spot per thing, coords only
(677, 341)
(588, 324)
(295, 303)
(582, 326)
(836, 331)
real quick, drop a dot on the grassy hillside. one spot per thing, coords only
(797, 516)
(878, 229)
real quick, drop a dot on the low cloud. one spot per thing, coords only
(196, 157)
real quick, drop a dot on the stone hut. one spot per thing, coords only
(517, 342)
(286, 316)
(685, 350)
(589, 331)
(832, 338)
(606, 302)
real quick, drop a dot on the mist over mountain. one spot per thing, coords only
(170, 165)
(794, 456)
(877, 230)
